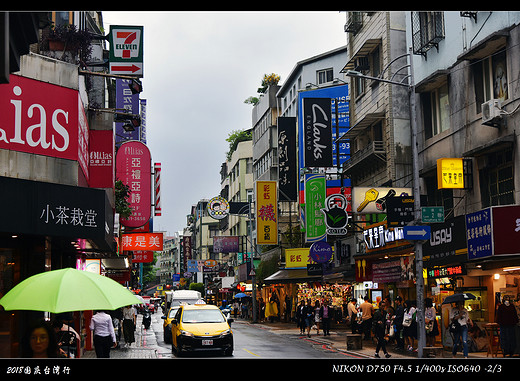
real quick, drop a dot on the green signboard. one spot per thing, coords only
(315, 195)
(432, 214)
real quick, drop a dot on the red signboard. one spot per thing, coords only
(142, 256)
(101, 159)
(506, 229)
(43, 119)
(133, 168)
(142, 241)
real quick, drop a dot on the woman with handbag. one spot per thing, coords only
(409, 325)
(460, 315)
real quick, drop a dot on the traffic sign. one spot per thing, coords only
(418, 232)
(432, 214)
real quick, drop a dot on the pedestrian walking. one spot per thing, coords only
(379, 327)
(129, 322)
(317, 318)
(309, 317)
(367, 311)
(300, 316)
(432, 329)
(104, 335)
(352, 315)
(236, 306)
(409, 325)
(459, 315)
(507, 319)
(326, 317)
(398, 322)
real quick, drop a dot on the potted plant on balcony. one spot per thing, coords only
(69, 38)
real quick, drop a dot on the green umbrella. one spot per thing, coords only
(68, 290)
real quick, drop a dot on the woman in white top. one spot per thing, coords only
(104, 335)
(461, 315)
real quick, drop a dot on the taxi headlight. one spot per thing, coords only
(186, 333)
(225, 333)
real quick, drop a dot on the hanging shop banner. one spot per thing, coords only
(142, 241)
(218, 208)
(479, 234)
(287, 159)
(396, 270)
(128, 102)
(317, 132)
(133, 168)
(506, 229)
(37, 123)
(101, 159)
(373, 200)
(336, 217)
(450, 173)
(266, 213)
(315, 193)
(225, 244)
(297, 258)
(320, 252)
(142, 256)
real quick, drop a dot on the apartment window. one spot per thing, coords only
(427, 31)
(497, 185)
(490, 79)
(324, 76)
(436, 111)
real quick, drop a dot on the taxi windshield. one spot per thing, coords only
(202, 316)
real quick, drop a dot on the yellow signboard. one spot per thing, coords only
(450, 174)
(266, 213)
(295, 258)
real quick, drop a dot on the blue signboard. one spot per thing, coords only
(479, 234)
(418, 232)
(339, 93)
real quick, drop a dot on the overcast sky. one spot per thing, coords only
(199, 67)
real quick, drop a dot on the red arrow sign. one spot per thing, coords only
(132, 68)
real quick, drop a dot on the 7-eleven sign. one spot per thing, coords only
(126, 50)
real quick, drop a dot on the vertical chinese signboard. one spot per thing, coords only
(315, 194)
(133, 168)
(287, 159)
(266, 213)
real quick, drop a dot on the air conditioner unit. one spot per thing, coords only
(492, 113)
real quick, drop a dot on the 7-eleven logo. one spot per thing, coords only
(126, 43)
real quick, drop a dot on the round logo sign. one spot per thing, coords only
(320, 252)
(218, 208)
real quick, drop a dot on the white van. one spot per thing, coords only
(185, 296)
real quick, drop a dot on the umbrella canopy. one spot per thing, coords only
(67, 290)
(458, 298)
(240, 295)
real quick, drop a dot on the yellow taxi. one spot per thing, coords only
(167, 324)
(201, 327)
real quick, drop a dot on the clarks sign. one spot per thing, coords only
(43, 119)
(317, 132)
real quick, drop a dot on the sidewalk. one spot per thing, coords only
(338, 341)
(138, 350)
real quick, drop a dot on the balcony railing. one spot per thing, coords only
(374, 150)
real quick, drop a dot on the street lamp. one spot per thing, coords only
(416, 192)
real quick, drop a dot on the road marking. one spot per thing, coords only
(254, 354)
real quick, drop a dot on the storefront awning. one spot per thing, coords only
(291, 276)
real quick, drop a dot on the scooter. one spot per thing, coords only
(147, 318)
